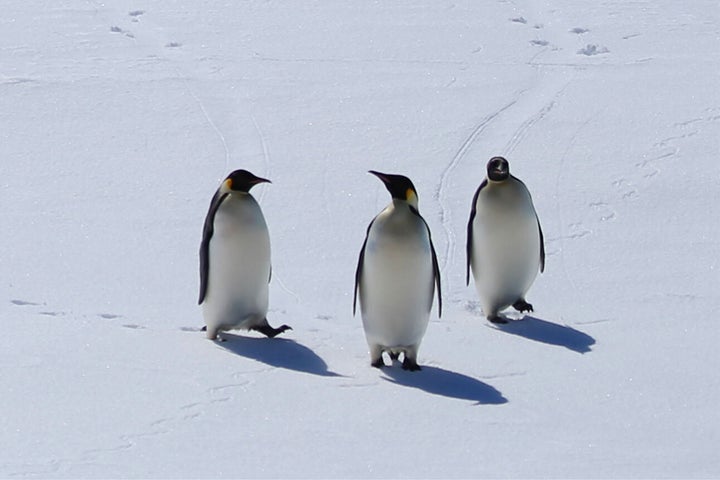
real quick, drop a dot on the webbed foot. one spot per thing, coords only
(497, 319)
(269, 331)
(522, 306)
(410, 365)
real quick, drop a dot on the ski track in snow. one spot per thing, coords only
(531, 121)
(440, 194)
(564, 235)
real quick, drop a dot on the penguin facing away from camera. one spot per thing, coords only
(505, 246)
(235, 260)
(396, 277)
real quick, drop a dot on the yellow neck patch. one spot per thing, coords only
(410, 195)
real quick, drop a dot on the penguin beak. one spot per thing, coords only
(381, 176)
(260, 180)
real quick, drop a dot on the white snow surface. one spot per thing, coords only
(119, 119)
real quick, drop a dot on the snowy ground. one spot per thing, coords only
(118, 119)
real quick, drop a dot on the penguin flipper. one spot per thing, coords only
(542, 240)
(436, 265)
(468, 246)
(542, 246)
(436, 274)
(358, 270)
(208, 230)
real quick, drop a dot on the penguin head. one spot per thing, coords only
(241, 181)
(498, 169)
(399, 186)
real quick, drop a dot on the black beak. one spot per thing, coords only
(381, 176)
(257, 180)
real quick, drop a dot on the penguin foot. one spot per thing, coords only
(394, 355)
(522, 306)
(497, 319)
(410, 365)
(378, 363)
(271, 332)
(204, 328)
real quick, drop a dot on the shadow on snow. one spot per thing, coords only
(438, 381)
(551, 333)
(277, 352)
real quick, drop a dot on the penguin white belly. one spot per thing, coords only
(239, 267)
(396, 290)
(506, 255)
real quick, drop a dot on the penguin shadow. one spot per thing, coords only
(277, 352)
(438, 381)
(550, 333)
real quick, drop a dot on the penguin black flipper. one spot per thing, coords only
(542, 247)
(358, 271)
(436, 265)
(468, 247)
(208, 230)
(542, 238)
(436, 273)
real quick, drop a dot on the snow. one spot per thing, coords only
(119, 119)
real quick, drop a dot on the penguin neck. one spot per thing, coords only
(495, 182)
(240, 194)
(398, 203)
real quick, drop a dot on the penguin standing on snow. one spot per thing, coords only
(235, 260)
(396, 276)
(505, 246)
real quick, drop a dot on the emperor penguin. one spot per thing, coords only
(396, 276)
(505, 246)
(235, 260)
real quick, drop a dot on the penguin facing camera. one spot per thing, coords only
(235, 260)
(505, 246)
(397, 276)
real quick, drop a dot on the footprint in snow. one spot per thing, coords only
(540, 43)
(579, 30)
(134, 326)
(24, 303)
(116, 29)
(591, 49)
(191, 329)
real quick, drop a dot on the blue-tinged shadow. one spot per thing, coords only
(277, 352)
(551, 333)
(438, 381)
